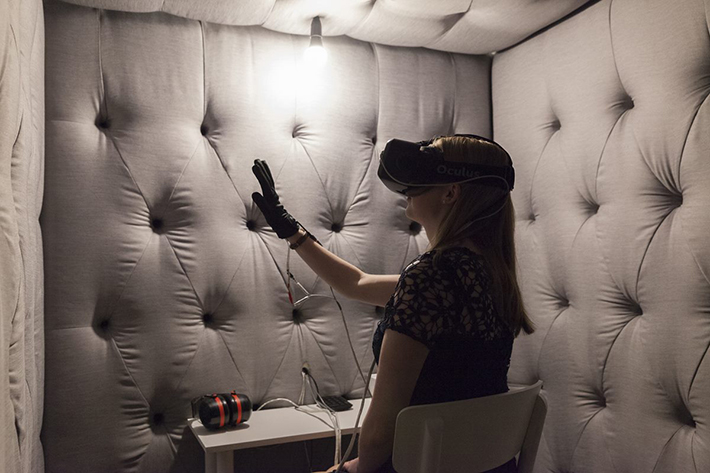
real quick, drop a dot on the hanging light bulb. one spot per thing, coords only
(316, 55)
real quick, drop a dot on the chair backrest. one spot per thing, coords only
(471, 436)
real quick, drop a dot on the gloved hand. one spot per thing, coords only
(281, 221)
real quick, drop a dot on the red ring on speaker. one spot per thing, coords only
(221, 410)
(239, 408)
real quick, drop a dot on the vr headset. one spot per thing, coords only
(405, 166)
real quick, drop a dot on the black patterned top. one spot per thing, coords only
(448, 307)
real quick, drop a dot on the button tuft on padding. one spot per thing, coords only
(157, 225)
(204, 130)
(297, 316)
(336, 227)
(415, 228)
(251, 225)
(102, 123)
(677, 200)
(207, 318)
(629, 103)
(157, 419)
(102, 328)
(634, 308)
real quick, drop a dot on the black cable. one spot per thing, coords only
(305, 370)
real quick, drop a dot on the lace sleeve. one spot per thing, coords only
(422, 299)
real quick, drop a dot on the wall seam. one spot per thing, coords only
(664, 448)
(283, 358)
(601, 155)
(103, 104)
(690, 250)
(452, 125)
(184, 271)
(491, 58)
(579, 439)
(551, 25)
(204, 73)
(234, 362)
(653, 235)
(687, 136)
(613, 52)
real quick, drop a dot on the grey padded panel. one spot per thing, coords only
(462, 26)
(21, 188)
(163, 281)
(607, 117)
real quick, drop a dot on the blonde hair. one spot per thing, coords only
(493, 235)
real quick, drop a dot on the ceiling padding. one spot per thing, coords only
(461, 26)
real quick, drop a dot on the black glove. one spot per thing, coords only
(281, 221)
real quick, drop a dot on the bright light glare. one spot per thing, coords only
(280, 80)
(287, 79)
(316, 56)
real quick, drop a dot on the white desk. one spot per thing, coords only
(268, 427)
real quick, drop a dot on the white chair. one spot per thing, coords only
(471, 436)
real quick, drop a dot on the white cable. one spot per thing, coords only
(333, 417)
(299, 409)
(302, 396)
(342, 315)
(481, 218)
(350, 342)
(318, 399)
(274, 400)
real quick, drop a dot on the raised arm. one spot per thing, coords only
(344, 277)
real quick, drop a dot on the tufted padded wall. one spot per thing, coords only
(607, 116)
(163, 281)
(21, 187)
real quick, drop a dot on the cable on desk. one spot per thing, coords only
(298, 408)
(332, 414)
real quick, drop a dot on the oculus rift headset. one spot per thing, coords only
(405, 165)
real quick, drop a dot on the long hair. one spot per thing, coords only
(494, 236)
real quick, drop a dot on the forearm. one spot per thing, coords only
(401, 362)
(335, 271)
(375, 445)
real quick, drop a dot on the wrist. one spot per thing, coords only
(296, 236)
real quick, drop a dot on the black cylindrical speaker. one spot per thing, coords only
(221, 410)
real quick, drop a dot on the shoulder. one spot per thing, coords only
(445, 260)
(424, 269)
(442, 269)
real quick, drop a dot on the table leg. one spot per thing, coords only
(220, 462)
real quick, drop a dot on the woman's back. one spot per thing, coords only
(447, 305)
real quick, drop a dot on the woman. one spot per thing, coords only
(451, 316)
